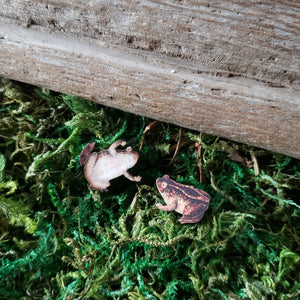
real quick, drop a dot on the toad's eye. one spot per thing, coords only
(164, 185)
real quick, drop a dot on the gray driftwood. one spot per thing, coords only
(229, 68)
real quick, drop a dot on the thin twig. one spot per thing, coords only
(199, 161)
(255, 163)
(178, 146)
(148, 127)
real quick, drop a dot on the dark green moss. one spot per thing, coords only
(61, 240)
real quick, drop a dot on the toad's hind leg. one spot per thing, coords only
(131, 177)
(86, 152)
(112, 149)
(100, 186)
(190, 219)
(193, 214)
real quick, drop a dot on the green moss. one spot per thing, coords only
(61, 240)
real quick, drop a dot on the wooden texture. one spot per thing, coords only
(229, 68)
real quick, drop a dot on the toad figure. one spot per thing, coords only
(186, 200)
(101, 167)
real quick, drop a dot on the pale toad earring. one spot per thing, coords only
(101, 167)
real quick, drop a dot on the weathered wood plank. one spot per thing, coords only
(228, 68)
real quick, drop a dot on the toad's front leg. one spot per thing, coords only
(112, 149)
(131, 177)
(169, 207)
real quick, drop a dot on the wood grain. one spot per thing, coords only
(229, 68)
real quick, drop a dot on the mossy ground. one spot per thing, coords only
(61, 240)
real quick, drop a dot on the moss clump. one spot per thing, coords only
(61, 240)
